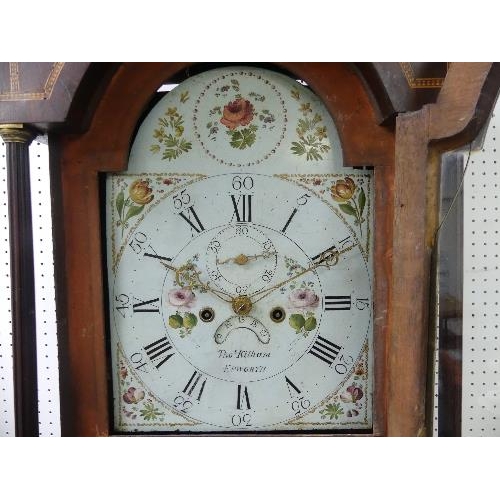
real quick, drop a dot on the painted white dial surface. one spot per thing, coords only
(240, 300)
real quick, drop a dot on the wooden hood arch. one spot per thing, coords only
(77, 160)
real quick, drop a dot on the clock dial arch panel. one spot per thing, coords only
(175, 210)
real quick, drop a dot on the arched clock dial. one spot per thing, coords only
(240, 293)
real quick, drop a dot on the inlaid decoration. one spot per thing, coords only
(16, 88)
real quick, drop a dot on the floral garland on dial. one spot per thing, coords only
(237, 116)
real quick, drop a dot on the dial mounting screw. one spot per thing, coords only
(206, 314)
(277, 314)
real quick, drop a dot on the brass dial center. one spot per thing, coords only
(242, 305)
(241, 259)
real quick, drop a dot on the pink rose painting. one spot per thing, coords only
(181, 297)
(237, 113)
(352, 394)
(303, 299)
(133, 395)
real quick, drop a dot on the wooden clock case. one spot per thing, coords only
(404, 153)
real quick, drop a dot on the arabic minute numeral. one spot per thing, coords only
(242, 420)
(182, 404)
(181, 199)
(242, 183)
(215, 275)
(301, 201)
(241, 229)
(268, 244)
(137, 359)
(140, 243)
(214, 246)
(124, 303)
(267, 276)
(342, 364)
(362, 304)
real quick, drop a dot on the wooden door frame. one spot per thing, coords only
(462, 108)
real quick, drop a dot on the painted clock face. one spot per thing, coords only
(239, 264)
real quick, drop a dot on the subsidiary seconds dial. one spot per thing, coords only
(241, 258)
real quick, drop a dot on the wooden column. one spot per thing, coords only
(421, 137)
(410, 285)
(17, 139)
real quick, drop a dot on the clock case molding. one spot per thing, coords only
(404, 151)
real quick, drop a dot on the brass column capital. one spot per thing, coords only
(17, 132)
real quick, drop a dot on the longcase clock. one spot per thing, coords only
(233, 254)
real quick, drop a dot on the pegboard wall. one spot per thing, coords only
(48, 381)
(481, 297)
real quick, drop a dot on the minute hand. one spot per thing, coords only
(327, 259)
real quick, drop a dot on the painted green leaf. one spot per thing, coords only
(317, 118)
(313, 154)
(149, 412)
(347, 209)
(155, 148)
(304, 125)
(361, 201)
(311, 140)
(177, 122)
(298, 148)
(243, 138)
(170, 154)
(133, 211)
(120, 200)
(170, 141)
(333, 411)
(184, 146)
